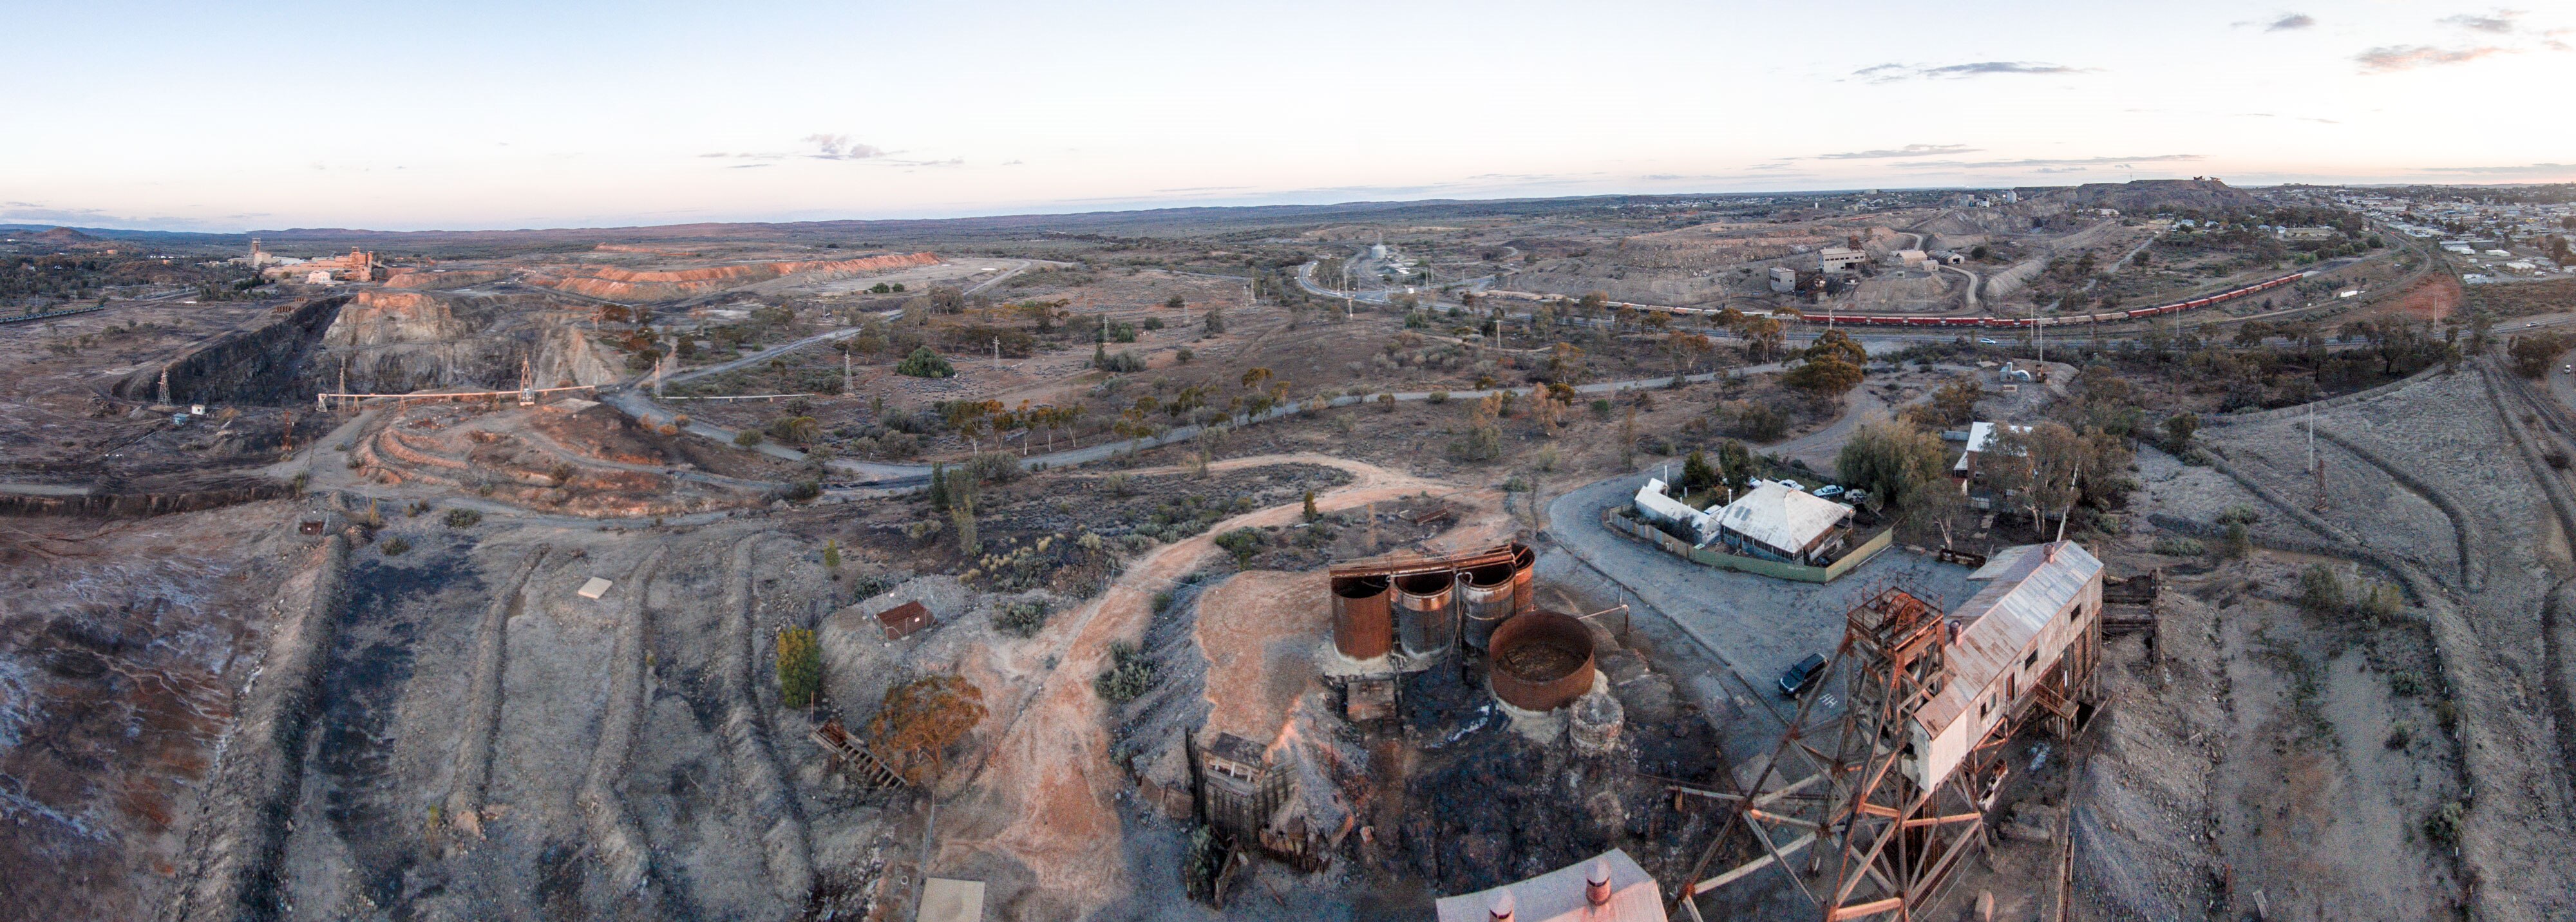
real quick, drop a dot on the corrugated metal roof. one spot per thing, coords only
(2027, 586)
(1981, 436)
(1781, 517)
(1652, 501)
(1557, 896)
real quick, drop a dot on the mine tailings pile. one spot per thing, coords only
(259, 365)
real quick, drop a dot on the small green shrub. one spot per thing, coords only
(2172, 546)
(394, 547)
(1129, 676)
(2443, 827)
(2239, 514)
(2321, 591)
(1122, 363)
(1242, 543)
(1022, 619)
(1439, 397)
(747, 438)
(463, 518)
(923, 363)
(800, 667)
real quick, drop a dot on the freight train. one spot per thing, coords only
(1916, 320)
(1902, 320)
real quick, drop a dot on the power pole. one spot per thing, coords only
(997, 355)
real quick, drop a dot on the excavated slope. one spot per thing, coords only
(615, 283)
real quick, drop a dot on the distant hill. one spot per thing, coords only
(2151, 195)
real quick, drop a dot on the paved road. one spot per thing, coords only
(1756, 625)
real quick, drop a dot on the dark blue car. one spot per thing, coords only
(1802, 676)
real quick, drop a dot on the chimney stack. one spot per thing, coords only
(1596, 884)
(1500, 910)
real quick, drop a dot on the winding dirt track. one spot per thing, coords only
(1044, 795)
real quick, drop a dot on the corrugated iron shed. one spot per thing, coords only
(1782, 518)
(904, 620)
(2026, 588)
(1654, 503)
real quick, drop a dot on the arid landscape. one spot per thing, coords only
(820, 570)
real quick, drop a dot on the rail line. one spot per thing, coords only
(1986, 322)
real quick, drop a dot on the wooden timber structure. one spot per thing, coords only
(1408, 564)
(1887, 814)
(853, 756)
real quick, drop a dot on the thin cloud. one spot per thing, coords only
(2499, 22)
(1890, 73)
(2528, 169)
(2302, 118)
(2042, 163)
(2389, 59)
(1910, 150)
(2291, 22)
(841, 147)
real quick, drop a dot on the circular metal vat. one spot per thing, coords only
(1542, 660)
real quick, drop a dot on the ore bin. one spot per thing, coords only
(1425, 623)
(1484, 601)
(1541, 660)
(1524, 577)
(1363, 627)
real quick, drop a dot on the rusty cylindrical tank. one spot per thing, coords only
(1484, 601)
(1524, 575)
(1542, 660)
(1363, 627)
(1426, 624)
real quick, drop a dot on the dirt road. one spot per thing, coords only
(1044, 796)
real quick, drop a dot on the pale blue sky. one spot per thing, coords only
(480, 115)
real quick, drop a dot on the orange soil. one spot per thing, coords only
(1044, 795)
(2434, 298)
(613, 282)
(415, 278)
(1259, 631)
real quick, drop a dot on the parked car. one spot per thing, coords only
(1829, 491)
(1983, 341)
(1856, 497)
(1802, 676)
(1793, 485)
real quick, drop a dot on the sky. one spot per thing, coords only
(479, 115)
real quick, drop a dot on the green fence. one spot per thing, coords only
(1616, 519)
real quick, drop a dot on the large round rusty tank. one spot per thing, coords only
(1363, 626)
(1542, 660)
(1524, 575)
(1484, 601)
(1425, 622)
